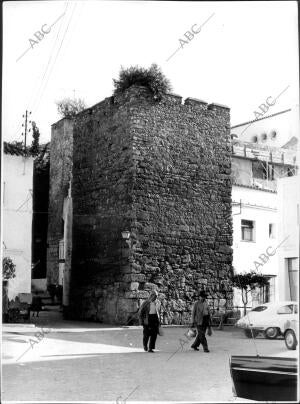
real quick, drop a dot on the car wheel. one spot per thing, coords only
(290, 339)
(250, 333)
(271, 332)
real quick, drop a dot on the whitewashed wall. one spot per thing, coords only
(17, 183)
(261, 207)
(283, 124)
(289, 218)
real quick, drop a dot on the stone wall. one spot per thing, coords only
(162, 172)
(103, 173)
(61, 161)
(40, 203)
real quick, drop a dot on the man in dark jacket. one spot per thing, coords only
(36, 305)
(5, 302)
(202, 320)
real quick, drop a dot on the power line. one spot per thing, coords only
(51, 69)
(35, 98)
(34, 94)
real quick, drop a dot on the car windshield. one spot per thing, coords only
(259, 308)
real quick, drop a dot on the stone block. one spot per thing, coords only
(134, 286)
(131, 295)
(135, 267)
(142, 294)
(134, 277)
(150, 286)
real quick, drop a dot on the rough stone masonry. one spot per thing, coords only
(160, 171)
(61, 162)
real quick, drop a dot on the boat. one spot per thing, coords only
(264, 378)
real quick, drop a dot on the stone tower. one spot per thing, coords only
(151, 206)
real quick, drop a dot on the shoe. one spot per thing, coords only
(145, 349)
(151, 350)
(194, 348)
(206, 350)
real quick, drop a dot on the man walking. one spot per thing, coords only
(149, 315)
(202, 320)
(222, 312)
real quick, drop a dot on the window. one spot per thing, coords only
(266, 293)
(259, 308)
(271, 172)
(247, 230)
(264, 137)
(271, 230)
(288, 309)
(293, 273)
(254, 139)
(62, 226)
(273, 135)
(259, 169)
(61, 251)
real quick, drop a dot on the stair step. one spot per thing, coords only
(46, 298)
(52, 308)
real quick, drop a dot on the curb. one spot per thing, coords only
(18, 325)
(12, 326)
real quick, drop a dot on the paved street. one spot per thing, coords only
(83, 362)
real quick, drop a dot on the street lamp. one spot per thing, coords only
(126, 237)
(125, 234)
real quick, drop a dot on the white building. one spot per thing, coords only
(254, 233)
(272, 129)
(256, 169)
(17, 181)
(289, 230)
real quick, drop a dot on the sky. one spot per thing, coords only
(243, 53)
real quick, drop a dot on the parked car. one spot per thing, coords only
(264, 378)
(19, 308)
(291, 333)
(269, 319)
(18, 314)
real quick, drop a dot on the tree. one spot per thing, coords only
(68, 107)
(152, 78)
(247, 282)
(34, 149)
(8, 268)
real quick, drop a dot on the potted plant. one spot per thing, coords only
(8, 272)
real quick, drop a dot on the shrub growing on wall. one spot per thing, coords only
(152, 78)
(68, 107)
(8, 269)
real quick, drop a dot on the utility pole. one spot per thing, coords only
(25, 133)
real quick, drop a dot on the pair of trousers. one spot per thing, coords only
(200, 339)
(150, 331)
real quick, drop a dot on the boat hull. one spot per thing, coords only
(264, 378)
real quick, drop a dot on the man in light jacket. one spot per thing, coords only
(149, 315)
(202, 320)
